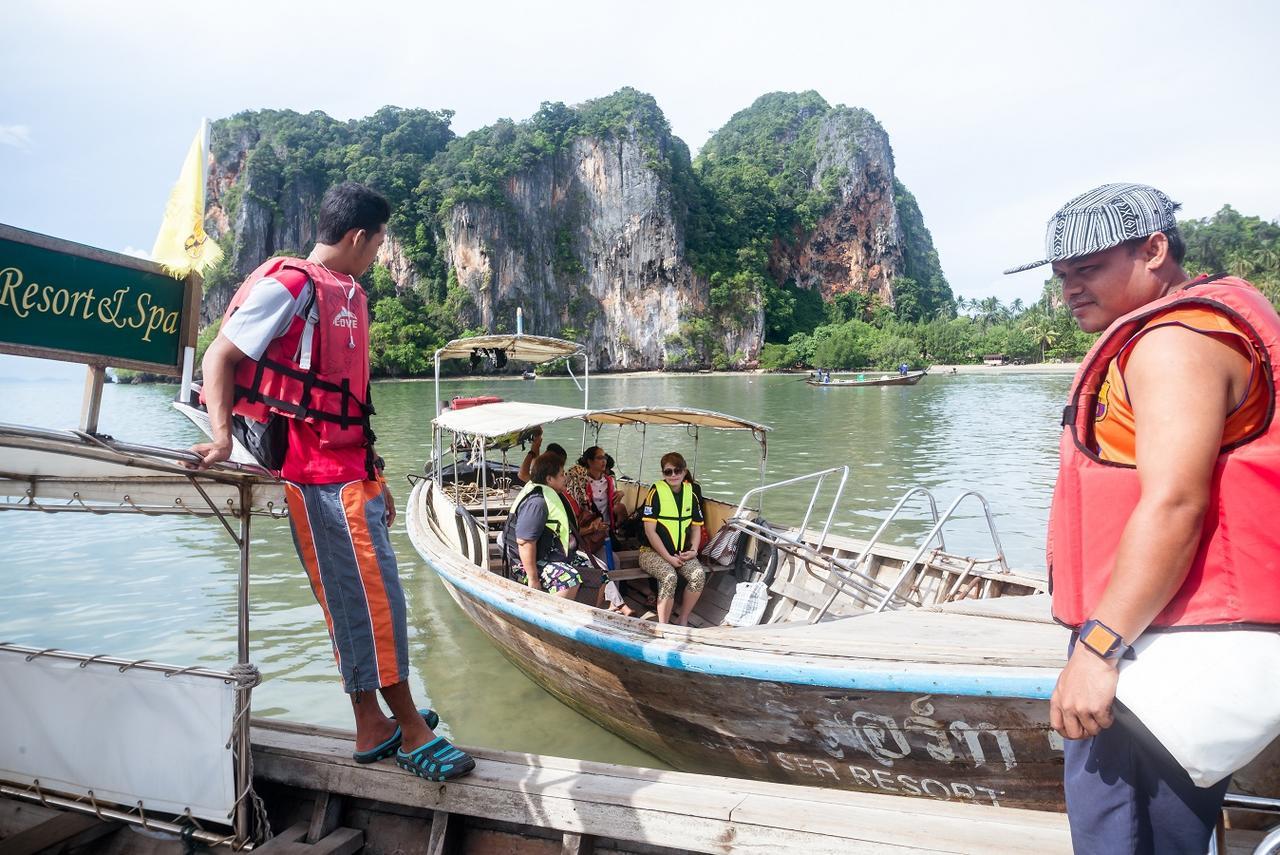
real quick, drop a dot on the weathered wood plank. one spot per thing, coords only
(57, 833)
(324, 816)
(1019, 832)
(292, 841)
(577, 844)
(440, 840)
(675, 809)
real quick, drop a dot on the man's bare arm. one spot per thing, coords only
(1181, 385)
(219, 368)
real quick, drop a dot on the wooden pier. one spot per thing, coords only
(321, 802)
(550, 804)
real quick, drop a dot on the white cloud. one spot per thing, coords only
(137, 253)
(18, 136)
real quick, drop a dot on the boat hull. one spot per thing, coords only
(995, 751)
(910, 379)
(973, 731)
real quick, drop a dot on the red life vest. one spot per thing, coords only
(319, 375)
(1235, 575)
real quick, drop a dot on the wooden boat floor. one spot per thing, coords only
(700, 813)
(1014, 631)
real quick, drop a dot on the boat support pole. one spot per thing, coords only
(244, 784)
(95, 376)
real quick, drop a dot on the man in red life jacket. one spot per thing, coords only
(294, 344)
(1168, 444)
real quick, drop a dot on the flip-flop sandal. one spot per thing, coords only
(386, 749)
(438, 760)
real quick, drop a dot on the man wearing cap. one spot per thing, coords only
(1169, 474)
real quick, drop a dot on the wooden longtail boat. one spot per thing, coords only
(907, 671)
(302, 782)
(911, 378)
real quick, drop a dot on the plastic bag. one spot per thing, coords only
(1211, 698)
(749, 602)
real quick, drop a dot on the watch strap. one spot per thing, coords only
(1102, 641)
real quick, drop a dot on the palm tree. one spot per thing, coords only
(991, 310)
(1017, 307)
(1240, 265)
(1042, 330)
(1267, 258)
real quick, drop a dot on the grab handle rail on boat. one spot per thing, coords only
(820, 477)
(847, 578)
(1269, 845)
(865, 557)
(908, 568)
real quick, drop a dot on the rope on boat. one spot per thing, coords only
(247, 677)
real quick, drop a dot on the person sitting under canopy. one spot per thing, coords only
(540, 533)
(673, 531)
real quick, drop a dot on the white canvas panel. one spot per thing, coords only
(126, 736)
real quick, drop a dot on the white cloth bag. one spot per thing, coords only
(749, 602)
(1211, 697)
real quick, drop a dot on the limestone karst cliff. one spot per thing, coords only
(592, 218)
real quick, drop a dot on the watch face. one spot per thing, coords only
(1100, 639)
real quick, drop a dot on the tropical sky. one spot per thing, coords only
(998, 112)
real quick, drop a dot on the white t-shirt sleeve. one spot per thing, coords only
(264, 316)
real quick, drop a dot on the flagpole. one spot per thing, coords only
(189, 353)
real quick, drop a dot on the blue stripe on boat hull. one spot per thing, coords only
(915, 681)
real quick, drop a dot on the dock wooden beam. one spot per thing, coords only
(700, 813)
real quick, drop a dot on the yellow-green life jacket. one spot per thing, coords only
(558, 519)
(677, 524)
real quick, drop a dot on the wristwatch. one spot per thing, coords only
(1101, 640)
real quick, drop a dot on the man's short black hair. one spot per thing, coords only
(1177, 246)
(348, 206)
(557, 448)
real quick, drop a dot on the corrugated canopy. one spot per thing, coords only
(494, 420)
(521, 348)
(672, 416)
(504, 417)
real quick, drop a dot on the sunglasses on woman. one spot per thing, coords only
(677, 470)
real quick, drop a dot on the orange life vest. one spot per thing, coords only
(1234, 578)
(319, 375)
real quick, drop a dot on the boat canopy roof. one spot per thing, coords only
(503, 417)
(499, 419)
(52, 470)
(673, 416)
(522, 348)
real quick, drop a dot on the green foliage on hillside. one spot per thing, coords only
(764, 182)
(1229, 242)
(760, 183)
(1043, 330)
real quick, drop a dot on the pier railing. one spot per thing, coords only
(78, 472)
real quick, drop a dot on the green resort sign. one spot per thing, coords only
(62, 300)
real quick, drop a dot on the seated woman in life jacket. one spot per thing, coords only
(600, 509)
(539, 536)
(672, 520)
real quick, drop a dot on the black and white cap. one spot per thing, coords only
(1104, 217)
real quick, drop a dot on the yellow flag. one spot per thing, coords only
(182, 245)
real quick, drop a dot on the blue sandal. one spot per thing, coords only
(386, 749)
(438, 760)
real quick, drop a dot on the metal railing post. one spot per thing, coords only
(907, 569)
(242, 657)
